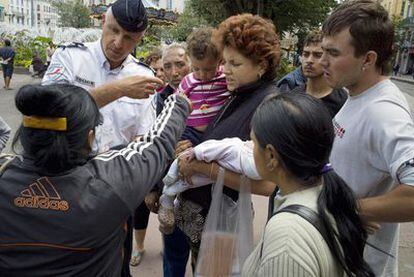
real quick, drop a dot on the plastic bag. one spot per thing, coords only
(227, 238)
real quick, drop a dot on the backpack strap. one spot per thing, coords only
(313, 218)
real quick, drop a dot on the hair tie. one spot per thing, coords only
(46, 123)
(326, 168)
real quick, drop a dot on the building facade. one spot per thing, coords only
(406, 48)
(171, 5)
(34, 15)
(4, 8)
(394, 7)
(403, 10)
(46, 18)
(21, 13)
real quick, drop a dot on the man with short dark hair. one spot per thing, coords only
(316, 84)
(7, 54)
(373, 149)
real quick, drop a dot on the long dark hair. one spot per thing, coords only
(57, 151)
(300, 129)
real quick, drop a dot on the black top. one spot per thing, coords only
(233, 120)
(161, 96)
(72, 224)
(333, 101)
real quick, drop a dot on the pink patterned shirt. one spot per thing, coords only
(207, 97)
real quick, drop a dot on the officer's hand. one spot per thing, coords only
(152, 201)
(138, 87)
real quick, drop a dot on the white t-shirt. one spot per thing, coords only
(86, 66)
(374, 138)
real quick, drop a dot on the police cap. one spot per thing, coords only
(130, 15)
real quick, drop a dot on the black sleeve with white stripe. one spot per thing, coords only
(134, 170)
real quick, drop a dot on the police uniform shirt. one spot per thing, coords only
(86, 66)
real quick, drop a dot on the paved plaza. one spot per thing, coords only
(152, 262)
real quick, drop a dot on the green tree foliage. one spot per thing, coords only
(288, 15)
(187, 22)
(158, 31)
(72, 13)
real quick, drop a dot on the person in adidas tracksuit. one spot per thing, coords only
(63, 212)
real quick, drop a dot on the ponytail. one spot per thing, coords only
(338, 200)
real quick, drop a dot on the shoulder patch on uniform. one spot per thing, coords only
(73, 45)
(55, 72)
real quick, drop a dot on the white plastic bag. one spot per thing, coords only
(227, 238)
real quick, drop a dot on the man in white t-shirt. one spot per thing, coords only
(374, 145)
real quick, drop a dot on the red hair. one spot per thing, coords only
(254, 37)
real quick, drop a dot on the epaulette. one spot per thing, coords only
(73, 45)
(143, 64)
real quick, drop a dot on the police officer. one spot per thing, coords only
(106, 67)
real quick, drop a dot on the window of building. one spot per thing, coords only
(402, 8)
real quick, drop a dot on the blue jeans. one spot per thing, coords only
(176, 253)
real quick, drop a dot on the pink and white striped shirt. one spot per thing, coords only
(207, 97)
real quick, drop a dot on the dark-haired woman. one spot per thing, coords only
(62, 212)
(293, 136)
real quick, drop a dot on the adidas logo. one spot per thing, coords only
(41, 195)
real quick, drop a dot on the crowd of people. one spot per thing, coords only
(107, 139)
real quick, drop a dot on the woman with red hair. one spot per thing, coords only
(251, 55)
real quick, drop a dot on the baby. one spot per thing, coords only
(231, 153)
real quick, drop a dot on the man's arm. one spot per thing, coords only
(137, 87)
(395, 206)
(393, 140)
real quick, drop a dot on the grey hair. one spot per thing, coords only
(172, 46)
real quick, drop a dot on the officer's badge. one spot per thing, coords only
(85, 82)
